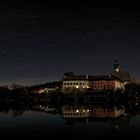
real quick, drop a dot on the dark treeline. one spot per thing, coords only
(24, 94)
(17, 94)
(48, 85)
(132, 88)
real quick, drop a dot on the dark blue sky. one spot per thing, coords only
(39, 41)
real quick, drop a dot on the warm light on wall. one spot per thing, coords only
(77, 86)
(117, 69)
(77, 110)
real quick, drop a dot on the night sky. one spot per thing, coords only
(39, 41)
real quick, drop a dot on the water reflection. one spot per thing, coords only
(92, 111)
(105, 117)
(114, 115)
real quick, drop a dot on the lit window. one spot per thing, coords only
(77, 110)
(77, 86)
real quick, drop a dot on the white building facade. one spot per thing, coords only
(75, 83)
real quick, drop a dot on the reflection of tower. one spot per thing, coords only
(117, 127)
(116, 66)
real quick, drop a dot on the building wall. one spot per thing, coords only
(102, 85)
(107, 112)
(45, 90)
(75, 84)
(106, 84)
(119, 85)
(97, 111)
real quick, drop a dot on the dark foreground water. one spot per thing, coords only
(72, 121)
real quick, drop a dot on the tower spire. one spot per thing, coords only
(116, 66)
(116, 61)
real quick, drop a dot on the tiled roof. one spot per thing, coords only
(103, 77)
(76, 77)
(91, 77)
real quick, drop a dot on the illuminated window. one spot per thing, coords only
(77, 86)
(77, 110)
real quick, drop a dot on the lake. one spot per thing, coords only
(74, 120)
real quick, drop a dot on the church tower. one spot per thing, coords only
(121, 74)
(116, 66)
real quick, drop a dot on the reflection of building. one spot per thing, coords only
(76, 112)
(46, 108)
(102, 112)
(92, 112)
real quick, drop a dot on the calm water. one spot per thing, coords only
(73, 121)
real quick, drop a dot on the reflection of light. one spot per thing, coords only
(117, 127)
(83, 110)
(77, 110)
(85, 86)
(77, 86)
(88, 110)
